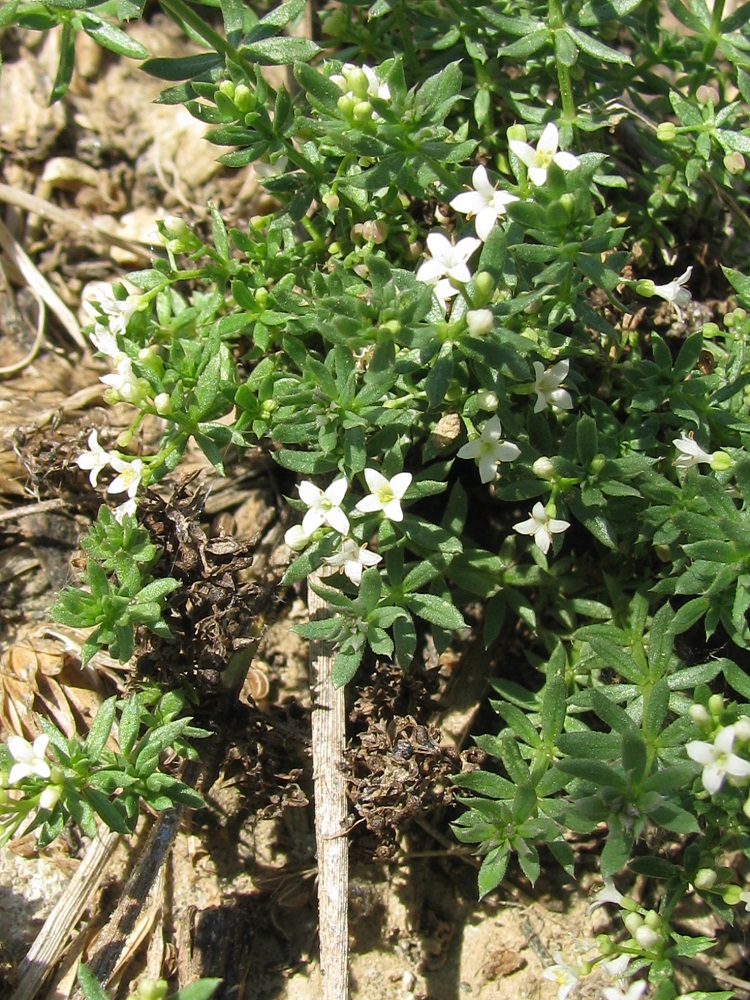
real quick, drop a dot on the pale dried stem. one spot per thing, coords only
(51, 941)
(328, 743)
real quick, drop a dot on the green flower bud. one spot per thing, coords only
(645, 287)
(663, 552)
(633, 922)
(716, 705)
(484, 288)
(346, 106)
(362, 111)
(261, 298)
(331, 201)
(227, 88)
(244, 98)
(517, 132)
(666, 132)
(125, 438)
(597, 464)
(391, 327)
(151, 989)
(375, 231)
(357, 82)
(163, 403)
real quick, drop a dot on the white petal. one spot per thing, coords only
(700, 751)
(525, 153)
(468, 203)
(548, 140)
(309, 493)
(485, 222)
(440, 246)
(337, 491)
(338, 520)
(400, 483)
(392, 510)
(566, 161)
(369, 504)
(375, 480)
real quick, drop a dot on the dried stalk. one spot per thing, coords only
(50, 943)
(328, 743)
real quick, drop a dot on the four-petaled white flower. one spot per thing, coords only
(718, 760)
(95, 459)
(547, 386)
(538, 160)
(29, 758)
(542, 526)
(616, 968)
(448, 260)
(324, 506)
(634, 992)
(385, 494)
(489, 449)
(564, 975)
(485, 202)
(690, 453)
(106, 343)
(675, 292)
(118, 311)
(354, 558)
(129, 478)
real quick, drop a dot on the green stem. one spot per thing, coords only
(714, 34)
(556, 20)
(180, 11)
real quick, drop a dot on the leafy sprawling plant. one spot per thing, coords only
(448, 330)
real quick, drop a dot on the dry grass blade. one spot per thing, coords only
(19, 366)
(36, 280)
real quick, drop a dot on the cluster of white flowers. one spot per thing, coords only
(128, 478)
(324, 509)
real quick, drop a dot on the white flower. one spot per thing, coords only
(541, 526)
(448, 260)
(634, 992)
(538, 160)
(489, 449)
(385, 494)
(718, 760)
(129, 478)
(690, 453)
(95, 459)
(443, 290)
(675, 293)
(485, 202)
(547, 385)
(118, 311)
(564, 975)
(29, 758)
(354, 558)
(106, 343)
(324, 506)
(616, 968)
(124, 382)
(125, 509)
(607, 894)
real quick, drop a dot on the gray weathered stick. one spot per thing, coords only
(328, 742)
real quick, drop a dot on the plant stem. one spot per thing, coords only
(556, 20)
(328, 742)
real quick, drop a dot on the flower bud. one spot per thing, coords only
(261, 298)
(484, 288)
(345, 105)
(163, 403)
(356, 80)
(597, 464)
(125, 438)
(699, 715)
(150, 989)
(645, 287)
(331, 201)
(479, 321)
(742, 729)
(633, 922)
(543, 468)
(517, 132)
(362, 111)
(296, 538)
(716, 705)
(375, 231)
(50, 797)
(179, 237)
(244, 98)
(663, 552)
(705, 878)
(666, 132)
(647, 937)
(227, 89)
(487, 400)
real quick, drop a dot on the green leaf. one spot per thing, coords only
(109, 36)
(598, 50)
(184, 68)
(436, 610)
(89, 984)
(100, 729)
(66, 63)
(280, 51)
(203, 988)
(107, 812)
(493, 870)
(345, 667)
